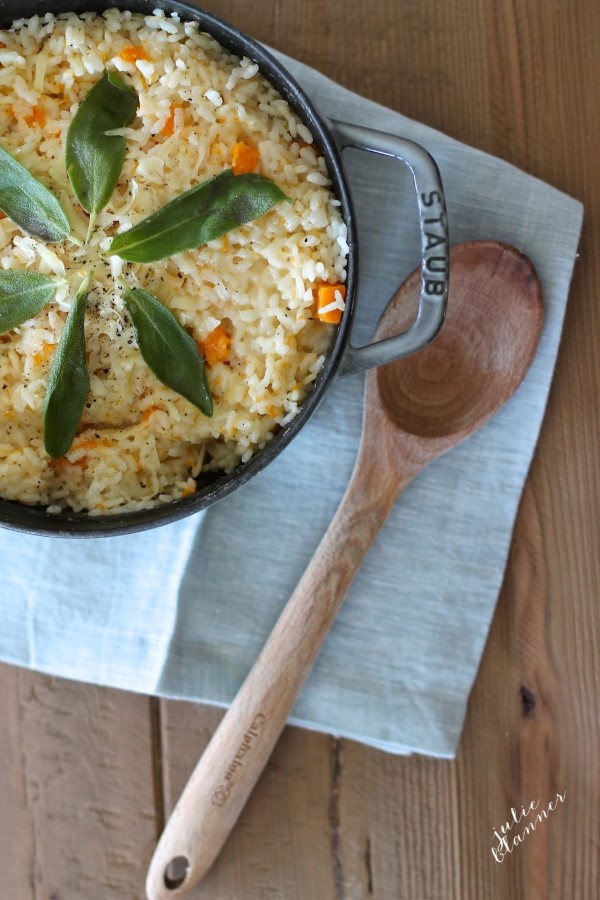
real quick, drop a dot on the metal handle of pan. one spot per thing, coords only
(435, 250)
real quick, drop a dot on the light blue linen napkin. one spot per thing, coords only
(184, 610)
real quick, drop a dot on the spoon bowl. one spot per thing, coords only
(486, 345)
(416, 409)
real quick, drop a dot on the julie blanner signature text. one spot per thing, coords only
(520, 825)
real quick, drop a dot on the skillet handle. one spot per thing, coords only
(435, 252)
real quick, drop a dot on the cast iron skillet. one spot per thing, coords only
(343, 359)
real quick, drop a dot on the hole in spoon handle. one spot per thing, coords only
(435, 248)
(218, 788)
(176, 873)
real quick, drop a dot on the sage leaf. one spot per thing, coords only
(22, 296)
(93, 158)
(69, 382)
(28, 203)
(199, 215)
(167, 348)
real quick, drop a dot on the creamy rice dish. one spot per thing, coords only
(250, 299)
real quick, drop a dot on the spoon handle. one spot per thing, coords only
(242, 744)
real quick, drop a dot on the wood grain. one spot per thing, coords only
(332, 819)
(16, 855)
(283, 844)
(77, 792)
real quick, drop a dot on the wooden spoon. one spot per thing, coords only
(416, 409)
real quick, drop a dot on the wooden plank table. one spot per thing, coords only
(88, 774)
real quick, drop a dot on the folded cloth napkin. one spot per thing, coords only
(183, 610)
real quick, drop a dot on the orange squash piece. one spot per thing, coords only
(132, 53)
(215, 347)
(169, 126)
(41, 355)
(36, 116)
(325, 296)
(244, 158)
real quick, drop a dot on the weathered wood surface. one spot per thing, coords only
(78, 791)
(88, 773)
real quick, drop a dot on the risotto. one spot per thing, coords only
(249, 299)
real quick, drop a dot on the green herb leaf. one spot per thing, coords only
(167, 348)
(204, 213)
(69, 382)
(28, 203)
(94, 159)
(22, 296)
